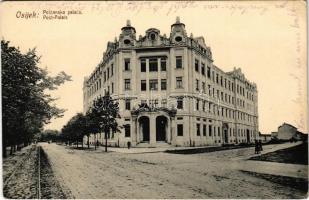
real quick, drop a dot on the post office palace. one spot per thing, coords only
(170, 92)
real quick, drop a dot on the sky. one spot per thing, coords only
(267, 40)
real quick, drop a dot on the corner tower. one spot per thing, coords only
(127, 37)
(178, 32)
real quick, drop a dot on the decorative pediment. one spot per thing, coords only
(145, 108)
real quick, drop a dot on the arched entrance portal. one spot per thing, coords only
(161, 128)
(144, 128)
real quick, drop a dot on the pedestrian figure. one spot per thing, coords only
(256, 147)
(129, 144)
(260, 145)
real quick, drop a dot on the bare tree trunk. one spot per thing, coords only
(4, 154)
(82, 143)
(105, 142)
(88, 142)
(76, 143)
(95, 141)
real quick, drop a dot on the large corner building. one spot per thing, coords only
(170, 91)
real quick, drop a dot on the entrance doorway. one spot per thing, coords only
(248, 136)
(225, 133)
(161, 126)
(144, 128)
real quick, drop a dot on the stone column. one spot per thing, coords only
(169, 130)
(136, 131)
(152, 124)
(173, 131)
(133, 132)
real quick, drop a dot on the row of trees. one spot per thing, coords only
(26, 104)
(101, 118)
(48, 135)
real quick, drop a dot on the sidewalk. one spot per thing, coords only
(267, 149)
(150, 149)
(272, 168)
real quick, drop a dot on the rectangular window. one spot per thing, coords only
(217, 78)
(203, 69)
(143, 103)
(107, 73)
(143, 85)
(153, 65)
(204, 130)
(127, 130)
(179, 130)
(164, 103)
(163, 84)
(153, 84)
(197, 104)
(143, 65)
(197, 65)
(197, 85)
(112, 69)
(163, 64)
(112, 88)
(210, 130)
(128, 104)
(154, 103)
(178, 62)
(127, 64)
(179, 103)
(104, 76)
(198, 129)
(208, 72)
(179, 82)
(127, 84)
(204, 105)
(203, 87)
(209, 90)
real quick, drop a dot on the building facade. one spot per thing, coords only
(170, 91)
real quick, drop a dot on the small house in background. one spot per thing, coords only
(274, 134)
(265, 137)
(287, 132)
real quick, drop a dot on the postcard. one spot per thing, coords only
(154, 99)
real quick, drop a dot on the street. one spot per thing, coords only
(96, 174)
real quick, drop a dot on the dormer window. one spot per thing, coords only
(126, 41)
(152, 36)
(178, 39)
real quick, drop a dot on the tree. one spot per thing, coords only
(49, 135)
(75, 129)
(26, 106)
(91, 125)
(104, 112)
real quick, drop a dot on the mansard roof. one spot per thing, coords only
(237, 73)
